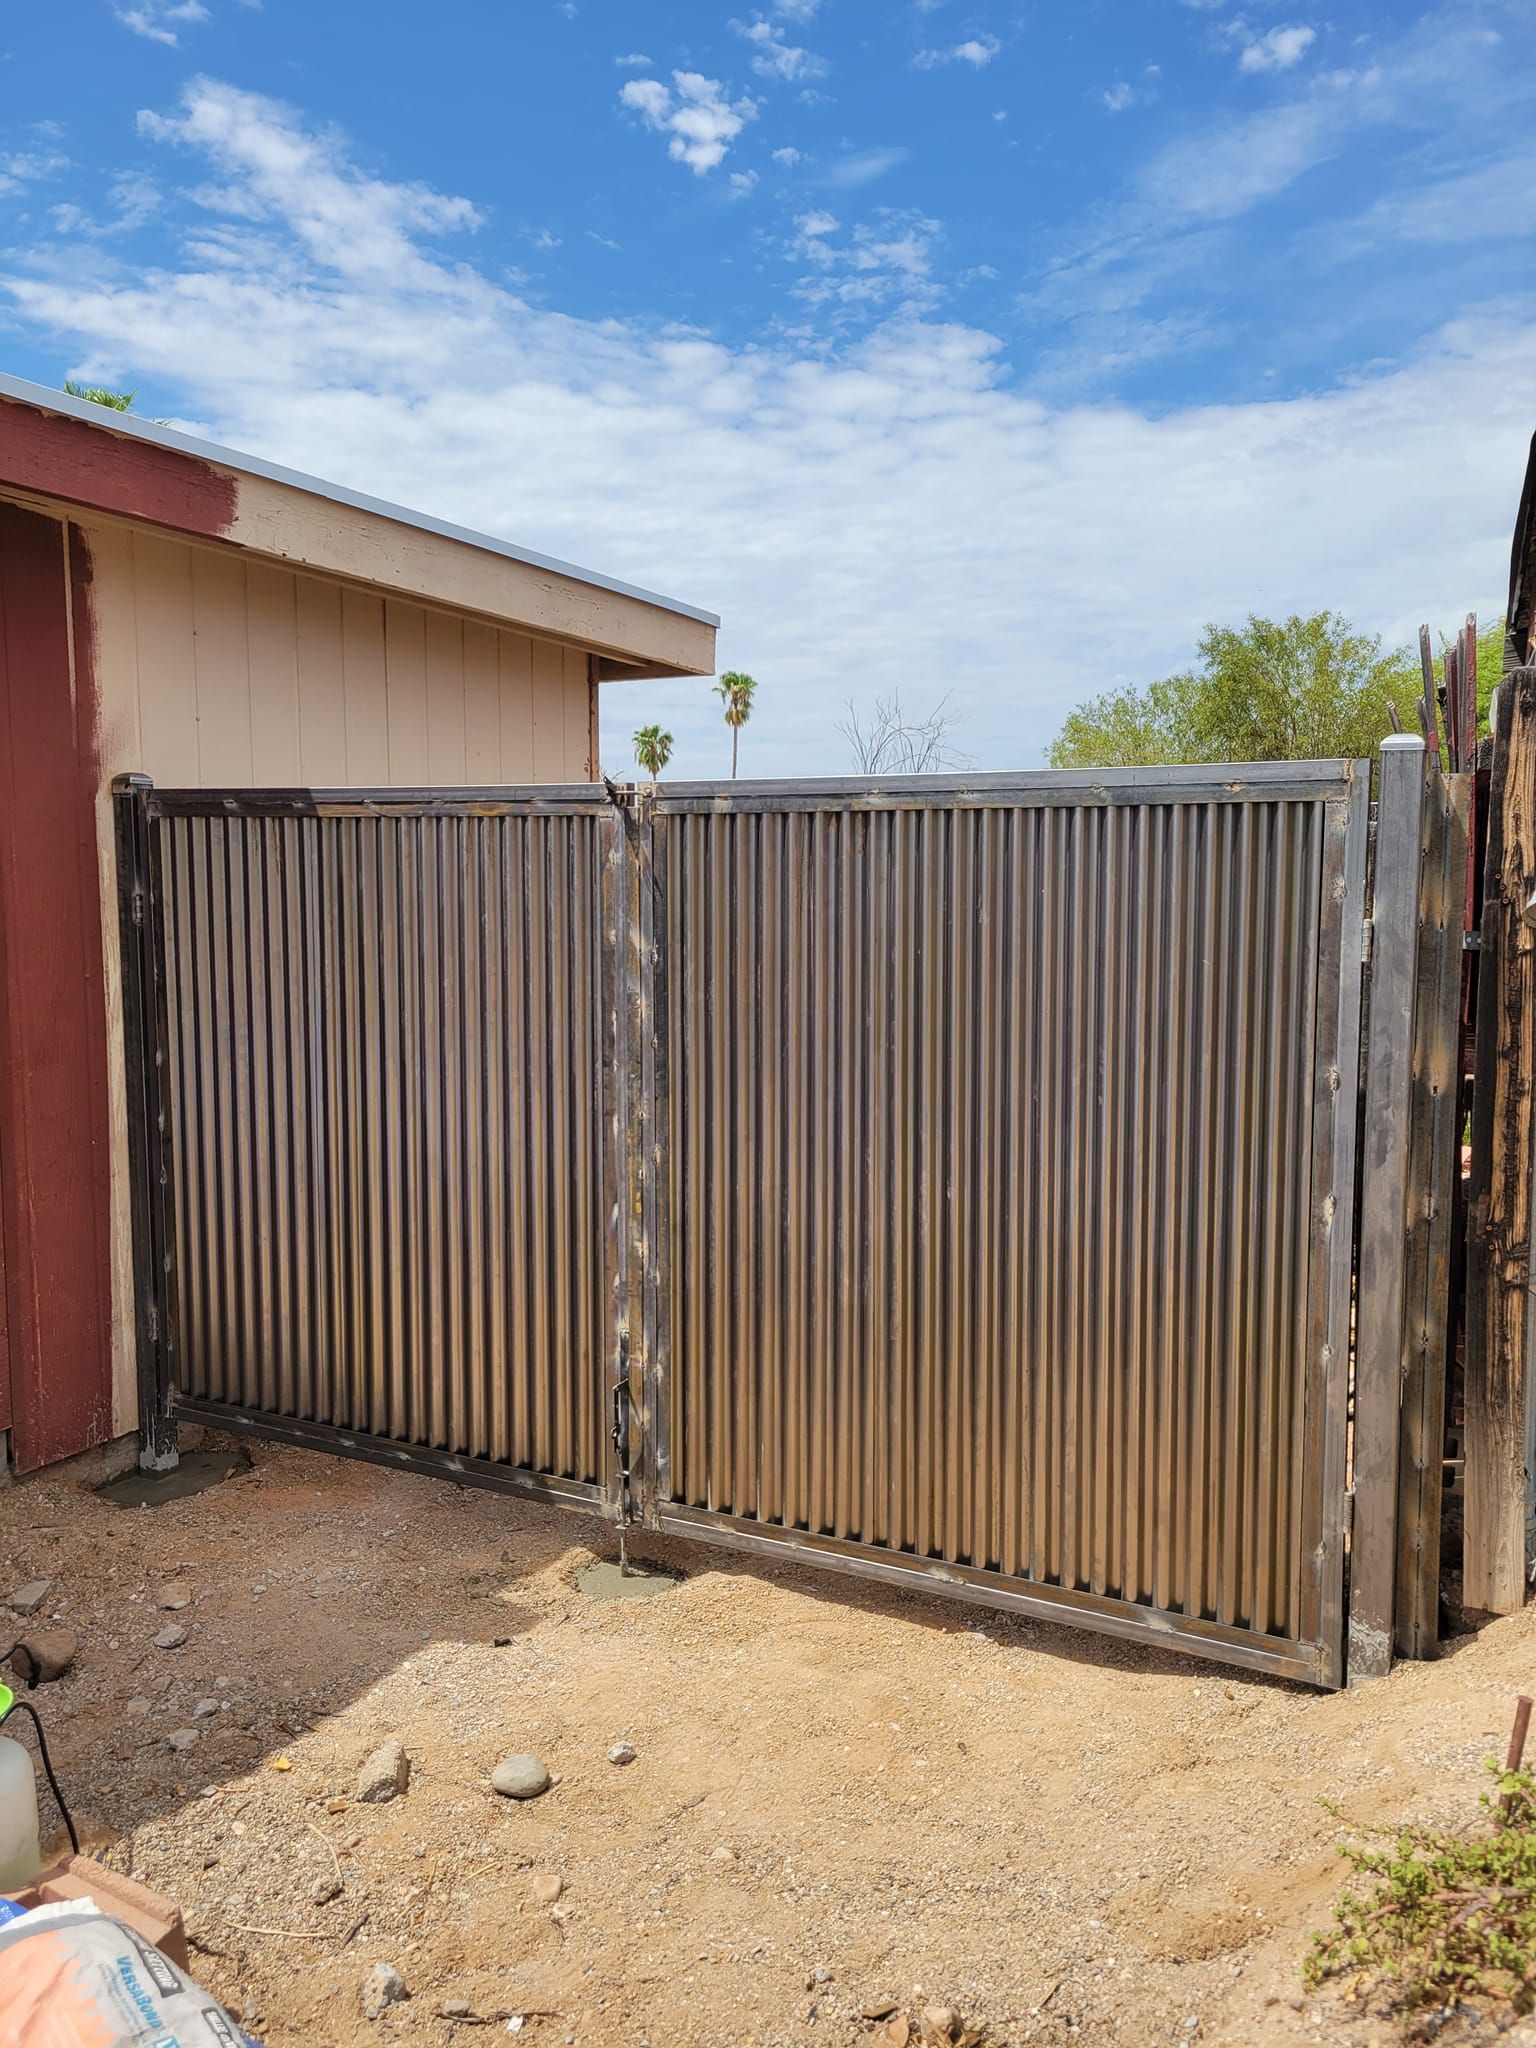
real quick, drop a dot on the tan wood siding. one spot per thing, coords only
(218, 670)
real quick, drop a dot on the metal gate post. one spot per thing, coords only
(144, 1040)
(636, 1248)
(1380, 1323)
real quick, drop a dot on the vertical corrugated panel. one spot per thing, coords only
(386, 1106)
(991, 1146)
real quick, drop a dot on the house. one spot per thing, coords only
(175, 609)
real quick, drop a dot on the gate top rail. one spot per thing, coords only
(567, 799)
(1199, 782)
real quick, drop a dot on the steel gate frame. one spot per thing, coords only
(634, 1002)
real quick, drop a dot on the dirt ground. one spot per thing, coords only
(843, 1797)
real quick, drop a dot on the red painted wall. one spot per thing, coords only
(89, 465)
(55, 1187)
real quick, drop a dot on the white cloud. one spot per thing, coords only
(22, 167)
(796, 10)
(741, 183)
(160, 20)
(1277, 50)
(773, 57)
(863, 167)
(977, 51)
(633, 62)
(883, 263)
(281, 170)
(786, 156)
(699, 122)
(866, 516)
(1122, 95)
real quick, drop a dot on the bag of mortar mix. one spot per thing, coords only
(71, 1974)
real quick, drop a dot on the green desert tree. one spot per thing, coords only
(735, 690)
(653, 749)
(1271, 690)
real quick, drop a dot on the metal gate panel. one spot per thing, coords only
(387, 1122)
(958, 1176)
(1006, 1157)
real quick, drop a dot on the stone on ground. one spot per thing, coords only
(520, 1777)
(381, 1988)
(384, 1775)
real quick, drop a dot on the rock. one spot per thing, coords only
(204, 1709)
(28, 1598)
(171, 1638)
(941, 2022)
(380, 1989)
(45, 1656)
(879, 2009)
(820, 1975)
(520, 1777)
(623, 1753)
(724, 1853)
(456, 2008)
(898, 2031)
(139, 1707)
(326, 1889)
(182, 1738)
(384, 1775)
(546, 1886)
(174, 1598)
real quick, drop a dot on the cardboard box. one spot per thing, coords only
(157, 1918)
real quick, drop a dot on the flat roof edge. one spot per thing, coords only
(90, 414)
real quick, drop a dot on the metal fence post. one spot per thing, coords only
(148, 1166)
(1380, 1350)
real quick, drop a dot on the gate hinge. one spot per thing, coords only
(1367, 941)
(1349, 1512)
(136, 907)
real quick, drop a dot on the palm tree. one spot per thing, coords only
(98, 394)
(734, 690)
(653, 749)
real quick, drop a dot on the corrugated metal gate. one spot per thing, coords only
(953, 1181)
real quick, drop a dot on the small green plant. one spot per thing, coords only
(653, 749)
(98, 394)
(1450, 1915)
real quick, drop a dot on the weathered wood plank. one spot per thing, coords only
(1433, 1172)
(1499, 1222)
(1379, 1309)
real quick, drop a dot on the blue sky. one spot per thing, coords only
(981, 352)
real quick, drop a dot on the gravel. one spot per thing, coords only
(1073, 1841)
